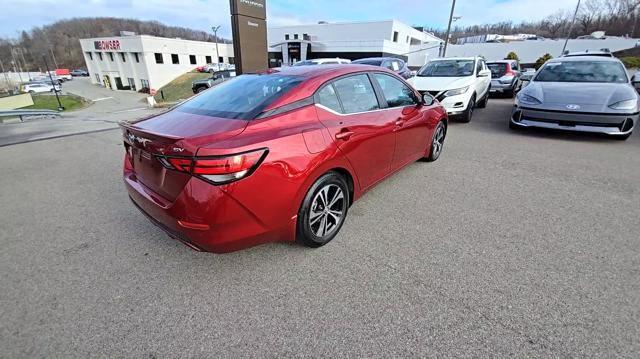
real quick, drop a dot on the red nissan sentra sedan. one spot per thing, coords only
(277, 156)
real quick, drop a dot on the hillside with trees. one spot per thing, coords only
(62, 37)
(616, 17)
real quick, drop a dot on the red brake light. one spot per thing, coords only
(226, 165)
(180, 164)
(217, 169)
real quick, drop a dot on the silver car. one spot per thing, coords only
(586, 93)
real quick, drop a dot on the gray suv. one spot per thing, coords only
(583, 93)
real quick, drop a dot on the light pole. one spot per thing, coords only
(446, 40)
(215, 35)
(46, 66)
(53, 56)
(566, 41)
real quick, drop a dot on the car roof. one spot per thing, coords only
(328, 59)
(376, 59)
(501, 61)
(584, 58)
(589, 53)
(455, 58)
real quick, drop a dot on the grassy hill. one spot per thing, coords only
(180, 88)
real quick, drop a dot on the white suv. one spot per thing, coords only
(459, 83)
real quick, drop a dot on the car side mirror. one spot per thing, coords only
(428, 100)
(635, 81)
(484, 73)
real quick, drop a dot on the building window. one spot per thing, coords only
(98, 79)
(159, 59)
(232, 60)
(90, 56)
(144, 83)
(110, 55)
(306, 37)
(132, 83)
(395, 36)
(124, 58)
(295, 36)
(99, 55)
(135, 55)
(207, 59)
(286, 36)
(192, 59)
(407, 39)
(220, 59)
(174, 59)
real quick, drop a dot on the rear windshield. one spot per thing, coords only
(447, 68)
(583, 71)
(497, 69)
(244, 97)
(368, 62)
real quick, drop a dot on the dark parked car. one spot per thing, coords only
(216, 78)
(82, 73)
(505, 77)
(277, 156)
(396, 65)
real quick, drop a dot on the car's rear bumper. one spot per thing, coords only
(497, 86)
(610, 124)
(203, 216)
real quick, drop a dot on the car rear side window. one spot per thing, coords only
(356, 94)
(395, 92)
(328, 98)
(243, 97)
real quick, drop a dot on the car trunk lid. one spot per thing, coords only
(172, 134)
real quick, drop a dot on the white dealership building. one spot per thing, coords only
(351, 40)
(134, 62)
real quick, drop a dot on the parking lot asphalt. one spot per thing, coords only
(512, 244)
(106, 108)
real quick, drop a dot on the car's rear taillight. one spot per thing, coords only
(217, 169)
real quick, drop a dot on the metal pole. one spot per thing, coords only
(46, 66)
(566, 41)
(54, 57)
(215, 35)
(446, 40)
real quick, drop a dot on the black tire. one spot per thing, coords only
(437, 142)
(309, 229)
(485, 100)
(212, 71)
(468, 114)
(200, 89)
(510, 93)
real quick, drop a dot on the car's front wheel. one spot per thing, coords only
(323, 210)
(200, 89)
(468, 114)
(437, 142)
(485, 99)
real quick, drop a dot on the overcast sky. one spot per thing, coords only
(18, 15)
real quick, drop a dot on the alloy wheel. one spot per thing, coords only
(438, 142)
(327, 210)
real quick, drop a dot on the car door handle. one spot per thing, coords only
(344, 135)
(399, 122)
